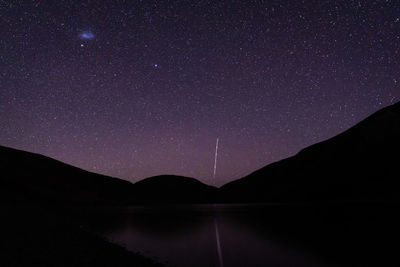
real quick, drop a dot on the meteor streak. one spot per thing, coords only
(216, 155)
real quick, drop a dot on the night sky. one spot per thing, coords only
(134, 89)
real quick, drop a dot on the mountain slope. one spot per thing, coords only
(27, 177)
(358, 165)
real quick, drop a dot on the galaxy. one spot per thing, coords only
(134, 89)
(86, 35)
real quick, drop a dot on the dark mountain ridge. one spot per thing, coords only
(359, 164)
(30, 177)
(27, 176)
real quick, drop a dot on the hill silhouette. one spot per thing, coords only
(171, 188)
(360, 164)
(30, 177)
(39, 229)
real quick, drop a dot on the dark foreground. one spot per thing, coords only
(44, 236)
(296, 235)
(350, 234)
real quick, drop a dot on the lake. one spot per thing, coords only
(240, 235)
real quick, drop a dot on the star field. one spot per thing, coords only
(134, 89)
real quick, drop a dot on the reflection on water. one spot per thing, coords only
(233, 235)
(218, 242)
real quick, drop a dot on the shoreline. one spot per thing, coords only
(42, 237)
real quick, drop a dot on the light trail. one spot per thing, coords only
(216, 156)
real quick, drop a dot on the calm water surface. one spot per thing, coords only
(207, 235)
